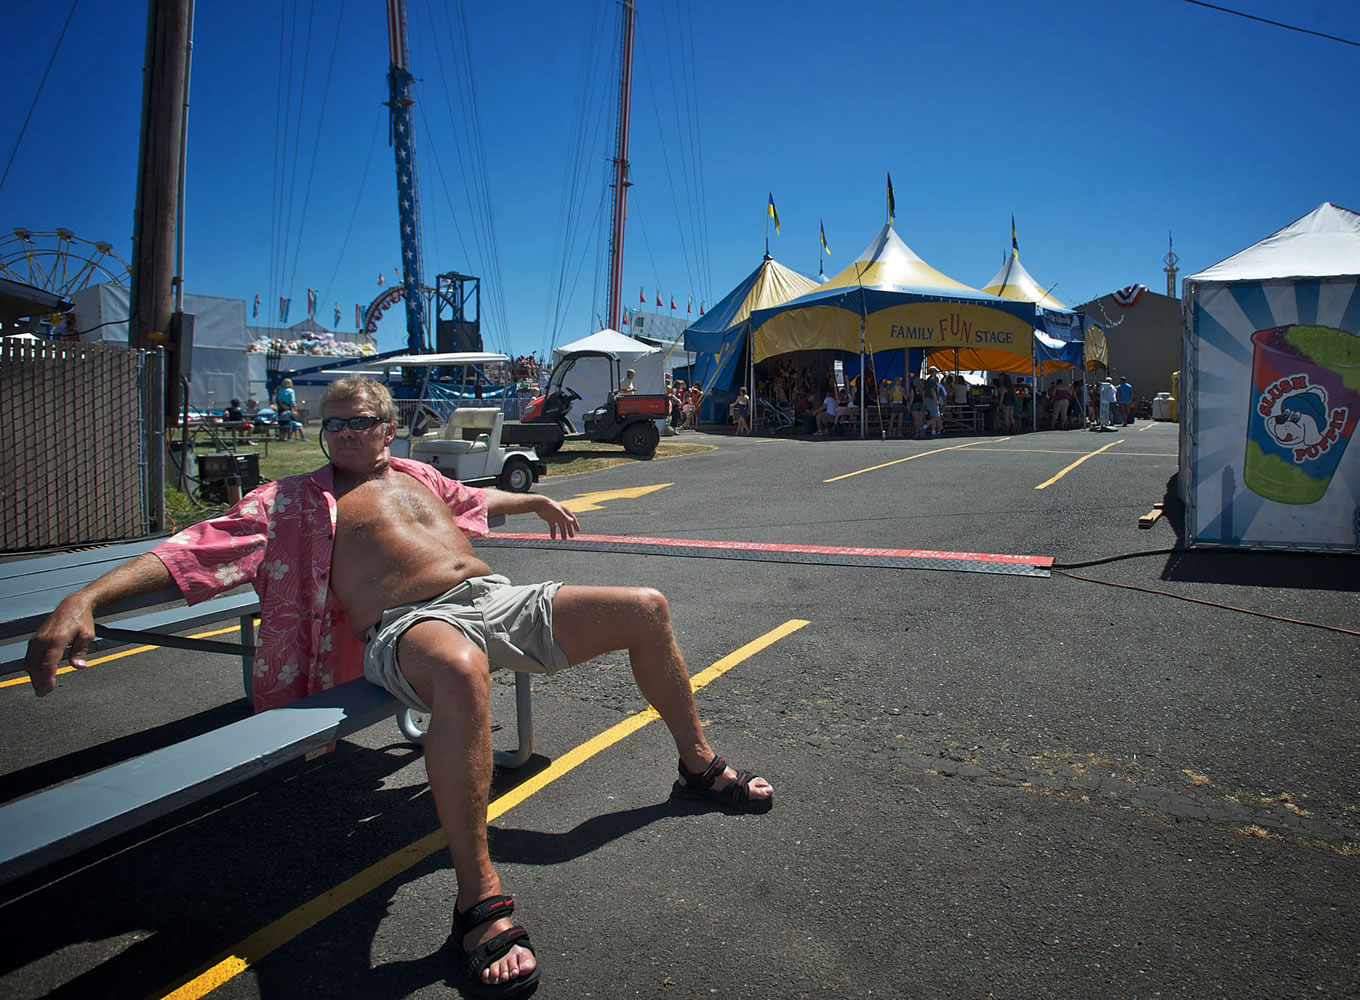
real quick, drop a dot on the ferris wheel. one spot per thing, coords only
(59, 261)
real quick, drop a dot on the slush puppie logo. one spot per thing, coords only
(1297, 417)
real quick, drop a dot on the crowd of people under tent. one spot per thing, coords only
(912, 406)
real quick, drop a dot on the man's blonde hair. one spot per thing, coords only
(362, 387)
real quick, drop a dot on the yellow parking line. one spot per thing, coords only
(1049, 482)
(1055, 451)
(120, 654)
(898, 461)
(251, 950)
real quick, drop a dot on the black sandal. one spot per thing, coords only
(736, 796)
(478, 959)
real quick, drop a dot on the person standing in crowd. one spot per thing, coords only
(1124, 396)
(1007, 405)
(1060, 399)
(286, 401)
(931, 389)
(1108, 397)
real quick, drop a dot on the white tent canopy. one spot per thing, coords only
(1269, 398)
(591, 378)
(1324, 242)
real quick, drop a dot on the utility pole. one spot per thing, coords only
(164, 81)
(621, 181)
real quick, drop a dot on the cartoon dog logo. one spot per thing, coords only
(1300, 419)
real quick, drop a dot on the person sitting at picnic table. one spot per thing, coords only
(405, 601)
(233, 414)
(828, 412)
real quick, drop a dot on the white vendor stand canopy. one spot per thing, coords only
(1270, 391)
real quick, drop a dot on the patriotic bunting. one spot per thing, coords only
(1126, 297)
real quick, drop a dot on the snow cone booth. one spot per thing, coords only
(1270, 391)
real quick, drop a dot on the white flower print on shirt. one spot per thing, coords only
(230, 574)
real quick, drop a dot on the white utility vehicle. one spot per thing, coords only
(469, 449)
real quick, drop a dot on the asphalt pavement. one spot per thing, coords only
(1137, 776)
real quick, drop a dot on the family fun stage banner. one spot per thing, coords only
(1275, 397)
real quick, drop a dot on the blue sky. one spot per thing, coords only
(1101, 126)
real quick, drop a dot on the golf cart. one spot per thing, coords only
(469, 449)
(629, 420)
(469, 446)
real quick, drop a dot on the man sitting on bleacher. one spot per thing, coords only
(364, 566)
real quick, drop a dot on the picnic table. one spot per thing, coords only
(225, 435)
(55, 823)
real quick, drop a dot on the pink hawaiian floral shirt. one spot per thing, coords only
(279, 538)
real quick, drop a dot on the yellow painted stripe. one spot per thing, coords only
(120, 654)
(899, 461)
(1049, 482)
(1054, 451)
(254, 948)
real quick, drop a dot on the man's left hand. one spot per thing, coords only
(558, 518)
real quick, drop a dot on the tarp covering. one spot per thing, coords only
(718, 339)
(904, 303)
(1270, 390)
(219, 369)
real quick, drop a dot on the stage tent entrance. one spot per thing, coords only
(1059, 332)
(900, 302)
(718, 339)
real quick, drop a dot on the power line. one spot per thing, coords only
(1278, 24)
(55, 49)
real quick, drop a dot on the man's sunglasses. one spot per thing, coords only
(334, 425)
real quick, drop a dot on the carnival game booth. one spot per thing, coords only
(1270, 391)
(718, 340)
(889, 302)
(591, 379)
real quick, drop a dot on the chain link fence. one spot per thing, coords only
(81, 453)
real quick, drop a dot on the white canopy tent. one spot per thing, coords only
(1270, 390)
(590, 379)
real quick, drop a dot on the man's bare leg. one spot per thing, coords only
(451, 675)
(591, 621)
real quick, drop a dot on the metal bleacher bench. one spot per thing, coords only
(55, 823)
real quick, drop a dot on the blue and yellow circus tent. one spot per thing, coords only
(904, 303)
(1059, 332)
(718, 339)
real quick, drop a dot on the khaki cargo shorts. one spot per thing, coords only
(512, 626)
